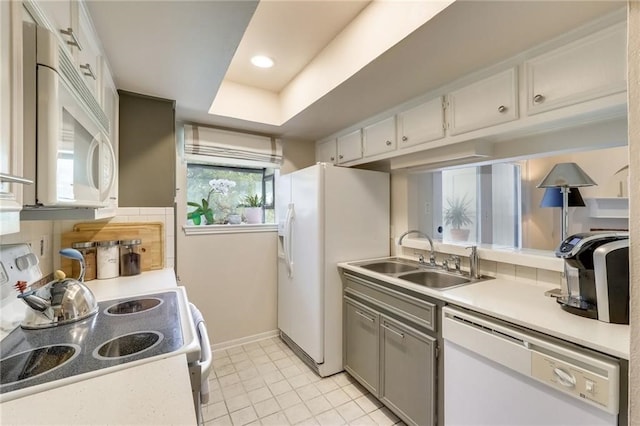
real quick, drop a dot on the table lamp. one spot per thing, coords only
(561, 178)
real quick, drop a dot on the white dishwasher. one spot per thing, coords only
(495, 374)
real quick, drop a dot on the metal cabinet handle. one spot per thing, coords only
(365, 316)
(88, 71)
(404, 138)
(538, 99)
(333, 158)
(74, 40)
(502, 109)
(340, 156)
(388, 143)
(14, 179)
(397, 333)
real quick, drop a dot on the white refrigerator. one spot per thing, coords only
(326, 214)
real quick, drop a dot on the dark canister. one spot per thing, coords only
(130, 257)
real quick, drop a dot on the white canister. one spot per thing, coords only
(107, 255)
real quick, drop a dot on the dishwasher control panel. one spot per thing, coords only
(571, 379)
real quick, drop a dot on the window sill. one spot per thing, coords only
(228, 229)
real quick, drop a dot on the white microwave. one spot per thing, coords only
(66, 149)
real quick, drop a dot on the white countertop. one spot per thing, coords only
(524, 303)
(157, 392)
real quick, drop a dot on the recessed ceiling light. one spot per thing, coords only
(262, 61)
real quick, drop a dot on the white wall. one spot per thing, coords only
(232, 278)
(542, 226)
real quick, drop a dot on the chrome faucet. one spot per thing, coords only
(474, 263)
(447, 263)
(432, 255)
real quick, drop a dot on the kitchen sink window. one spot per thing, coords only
(230, 177)
(479, 205)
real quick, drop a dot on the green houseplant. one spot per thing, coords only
(458, 214)
(253, 209)
(201, 210)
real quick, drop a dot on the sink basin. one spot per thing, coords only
(388, 267)
(433, 279)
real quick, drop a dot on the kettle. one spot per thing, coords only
(61, 301)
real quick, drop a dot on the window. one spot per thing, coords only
(472, 205)
(219, 195)
(230, 176)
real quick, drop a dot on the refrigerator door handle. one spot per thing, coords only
(287, 239)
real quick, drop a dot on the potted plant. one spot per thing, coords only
(218, 186)
(253, 209)
(457, 215)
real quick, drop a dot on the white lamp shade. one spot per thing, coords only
(567, 175)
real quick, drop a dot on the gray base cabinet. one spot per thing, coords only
(391, 346)
(362, 330)
(407, 359)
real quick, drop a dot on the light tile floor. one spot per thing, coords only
(265, 383)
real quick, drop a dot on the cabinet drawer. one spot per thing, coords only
(485, 103)
(589, 68)
(418, 311)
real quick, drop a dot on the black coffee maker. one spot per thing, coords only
(597, 272)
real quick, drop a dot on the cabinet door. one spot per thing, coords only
(408, 372)
(422, 123)
(10, 115)
(326, 152)
(361, 327)
(589, 68)
(89, 57)
(62, 17)
(379, 137)
(485, 103)
(350, 147)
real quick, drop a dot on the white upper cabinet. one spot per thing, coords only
(110, 105)
(420, 124)
(485, 103)
(350, 147)
(326, 151)
(11, 180)
(63, 17)
(379, 137)
(88, 59)
(586, 69)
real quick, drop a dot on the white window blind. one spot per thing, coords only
(213, 146)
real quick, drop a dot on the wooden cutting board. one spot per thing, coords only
(150, 233)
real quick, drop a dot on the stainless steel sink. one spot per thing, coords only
(389, 267)
(435, 279)
(418, 273)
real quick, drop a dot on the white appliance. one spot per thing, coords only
(66, 149)
(326, 214)
(498, 374)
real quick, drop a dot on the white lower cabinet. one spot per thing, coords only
(491, 101)
(420, 124)
(390, 347)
